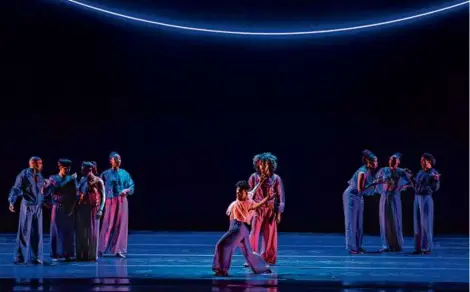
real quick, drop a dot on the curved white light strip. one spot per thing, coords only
(269, 33)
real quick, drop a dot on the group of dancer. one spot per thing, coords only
(260, 201)
(389, 182)
(77, 207)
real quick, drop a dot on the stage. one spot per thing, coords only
(181, 261)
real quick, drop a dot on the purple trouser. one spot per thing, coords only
(353, 204)
(114, 228)
(423, 222)
(390, 219)
(237, 236)
(29, 240)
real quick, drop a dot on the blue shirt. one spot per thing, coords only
(28, 186)
(115, 181)
(395, 180)
(369, 179)
(425, 184)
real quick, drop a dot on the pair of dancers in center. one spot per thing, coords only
(238, 234)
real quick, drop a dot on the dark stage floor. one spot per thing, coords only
(181, 261)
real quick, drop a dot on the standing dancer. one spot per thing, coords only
(237, 235)
(114, 229)
(29, 186)
(426, 184)
(393, 180)
(353, 201)
(63, 190)
(91, 201)
(267, 217)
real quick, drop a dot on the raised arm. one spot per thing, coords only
(253, 190)
(255, 205)
(251, 183)
(65, 181)
(49, 189)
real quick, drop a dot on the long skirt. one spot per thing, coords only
(87, 226)
(237, 236)
(114, 228)
(62, 232)
(390, 219)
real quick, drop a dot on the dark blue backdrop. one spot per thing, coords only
(187, 112)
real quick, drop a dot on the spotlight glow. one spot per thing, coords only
(309, 32)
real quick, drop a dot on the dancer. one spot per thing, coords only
(267, 217)
(353, 201)
(114, 229)
(394, 180)
(29, 185)
(63, 190)
(237, 235)
(426, 184)
(89, 209)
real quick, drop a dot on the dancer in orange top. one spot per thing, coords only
(240, 213)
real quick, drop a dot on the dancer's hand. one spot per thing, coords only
(99, 214)
(74, 176)
(229, 209)
(262, 179)
(278, 218)
(408, 171)
(380, 180)
(404, 188)
(124, 193)
(436, 176)
(271, 193)
(12, 208)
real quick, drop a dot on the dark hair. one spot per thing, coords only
(35, 158)
(95, 167)
(266, 156)
(243, 185)
(64, 162)
(397, 155)
(88, 164)
(112, 154)
(367, 156)
(429, 157)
